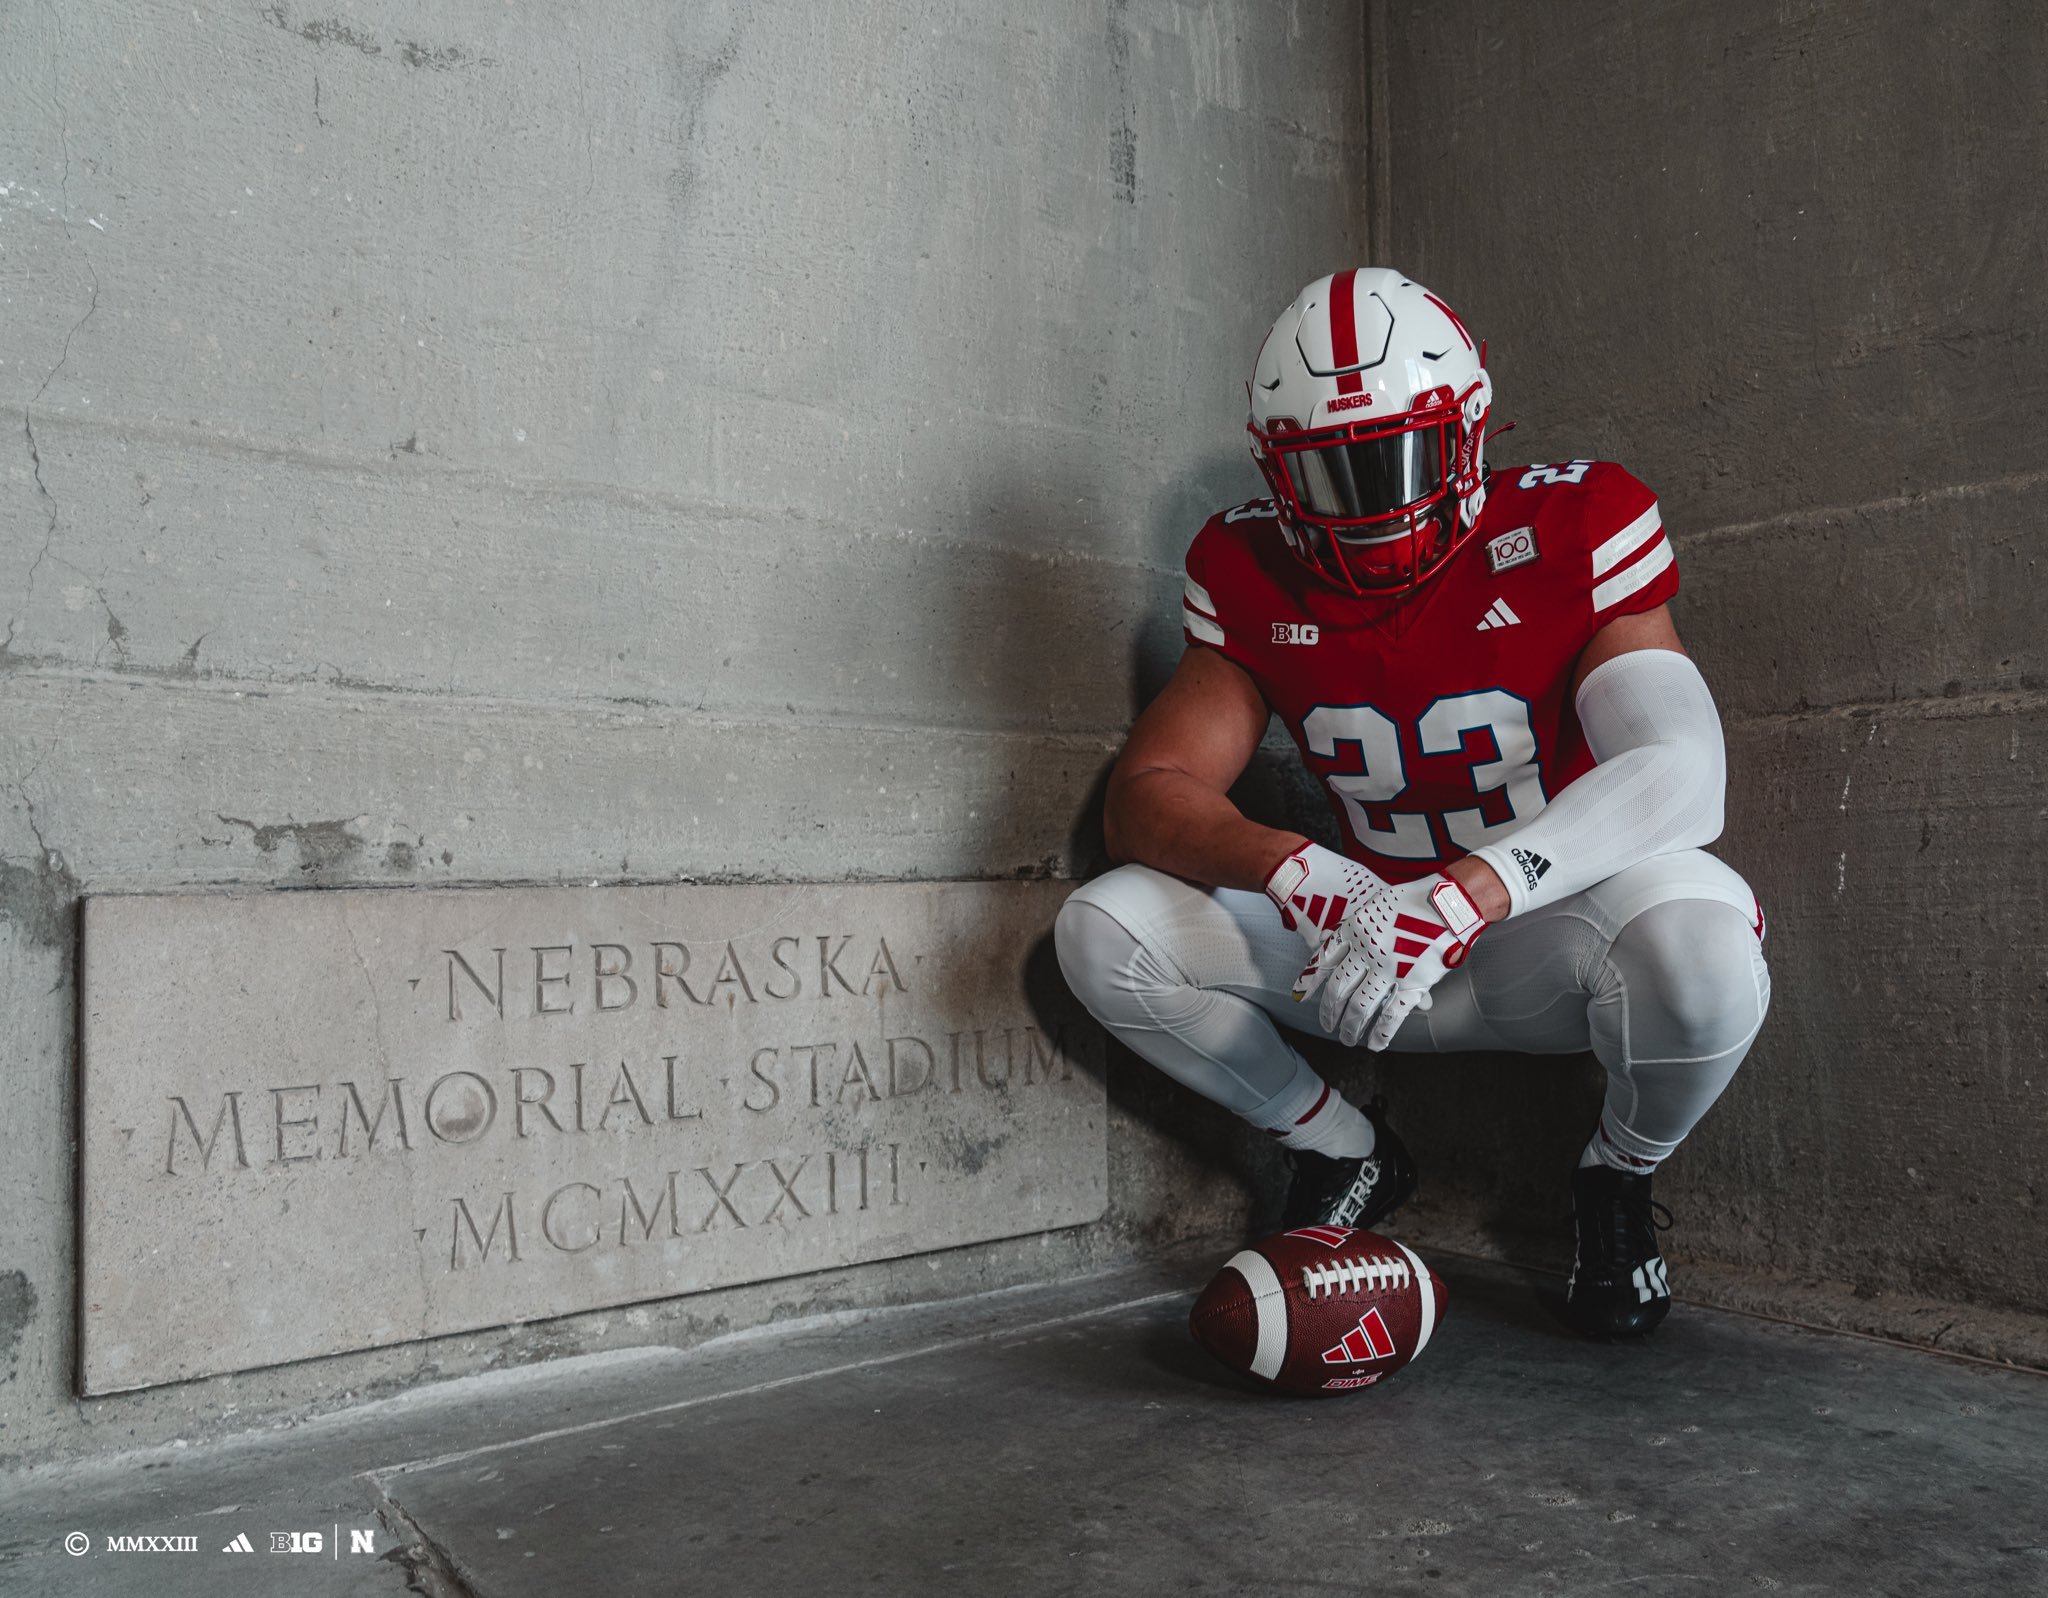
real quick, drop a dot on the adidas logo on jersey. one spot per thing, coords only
(1533, 865)
(1498, 615)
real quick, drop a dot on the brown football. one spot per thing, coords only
(1321, 1309)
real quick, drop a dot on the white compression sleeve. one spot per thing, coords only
(1657, 788)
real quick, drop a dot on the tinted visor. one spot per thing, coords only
(1355, 482)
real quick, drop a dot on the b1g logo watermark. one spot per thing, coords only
(315, 1542)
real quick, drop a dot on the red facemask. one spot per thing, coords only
(1377, 506)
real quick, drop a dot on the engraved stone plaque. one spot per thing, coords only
(324, 1121)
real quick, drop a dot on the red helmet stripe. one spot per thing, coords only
(1453, 315)
(1344, 331)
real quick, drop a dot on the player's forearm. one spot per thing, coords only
(1172, 822)
(1657, 788)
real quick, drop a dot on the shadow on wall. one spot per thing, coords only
(1222, 477)
(1179, 1168)
(1186, 1168)
(1496, 1137)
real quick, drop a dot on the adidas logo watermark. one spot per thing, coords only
(1498, 615)
(241, 1545)
(1533, 865)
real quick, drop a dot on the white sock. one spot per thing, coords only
(1310, 1114)
(1622, 1152)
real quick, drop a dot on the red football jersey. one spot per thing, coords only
(1438, 720)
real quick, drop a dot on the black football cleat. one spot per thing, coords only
(1354, 1192)
(1619, 1287)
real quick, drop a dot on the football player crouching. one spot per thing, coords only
(1480, 670)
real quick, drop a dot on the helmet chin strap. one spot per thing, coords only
(1473, 503)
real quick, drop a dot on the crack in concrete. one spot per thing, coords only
(115, 631)
(38, 897)
(21, 787)
(1123, 138)
(369, 984)
(429, 1568)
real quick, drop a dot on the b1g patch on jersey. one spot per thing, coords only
(1296, 632)
(1517, 548)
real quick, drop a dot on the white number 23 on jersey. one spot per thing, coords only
(1570, 472)
(1440, 731)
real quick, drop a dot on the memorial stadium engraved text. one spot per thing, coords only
(323, 1121)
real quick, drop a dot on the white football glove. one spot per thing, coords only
(1390, 949)
(1314, 886)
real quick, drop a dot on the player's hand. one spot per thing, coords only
(1382, 959)
(1314, 886)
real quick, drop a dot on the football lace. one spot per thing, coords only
(1371, 1272)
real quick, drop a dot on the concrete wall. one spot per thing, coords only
(1787, 262)
(512, 442)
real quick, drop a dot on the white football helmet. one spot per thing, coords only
(1369, 408)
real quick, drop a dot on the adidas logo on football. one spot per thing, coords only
(1498, 615)
(1368, 1340)
(1533, 865)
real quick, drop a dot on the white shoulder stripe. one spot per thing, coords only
(1634, 578)
(1625, 543)
(1201, 626)
(1269, 1308)
(1198, 596)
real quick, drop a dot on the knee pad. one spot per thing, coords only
(1103, 936)
(1092, 946)
(1122, 940)
(1695, 978)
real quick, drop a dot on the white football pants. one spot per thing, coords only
(1659, 971)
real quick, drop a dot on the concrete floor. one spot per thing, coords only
(1072, 1440)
